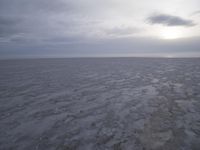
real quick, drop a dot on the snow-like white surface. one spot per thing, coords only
(100, 104)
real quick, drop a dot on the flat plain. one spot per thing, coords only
(100, 104)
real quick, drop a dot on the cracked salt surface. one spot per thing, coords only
(99, 104)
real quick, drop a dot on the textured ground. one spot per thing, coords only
(100, 104)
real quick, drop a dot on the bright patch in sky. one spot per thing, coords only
(171, 33)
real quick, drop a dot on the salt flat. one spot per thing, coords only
(100, 104)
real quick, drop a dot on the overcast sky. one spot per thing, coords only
(81, 28)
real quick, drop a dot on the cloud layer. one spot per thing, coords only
(97, 26)
(170, 20)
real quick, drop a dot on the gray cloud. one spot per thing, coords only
(122, 31)
(77, 27)
(42, 20)
(33, 6)
(170, 20)
(9, 25)
(7, 21)
(196, 12)
(109, 47)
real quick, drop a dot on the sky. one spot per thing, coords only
(99, 28)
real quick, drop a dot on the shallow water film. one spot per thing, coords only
(100, 104)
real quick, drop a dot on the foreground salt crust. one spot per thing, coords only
(107, 103)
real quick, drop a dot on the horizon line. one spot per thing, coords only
(89, 57)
